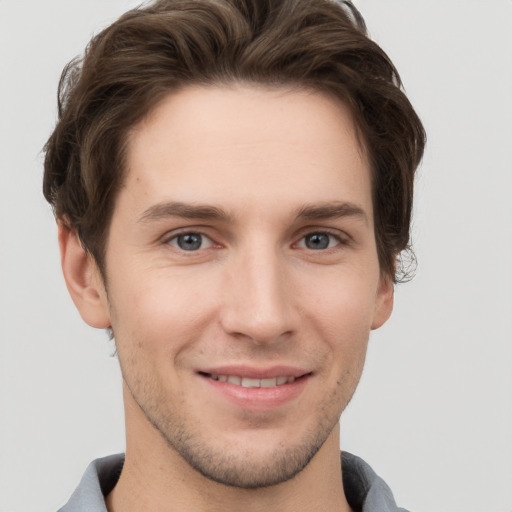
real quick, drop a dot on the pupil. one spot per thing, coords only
(317, 241)
(189, 242)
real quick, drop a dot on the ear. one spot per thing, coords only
(83, 279)
(384, 301)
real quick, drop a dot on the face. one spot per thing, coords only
(242, 277)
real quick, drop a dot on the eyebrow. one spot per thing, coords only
(207, 212)
(183, 210)
(331, 211)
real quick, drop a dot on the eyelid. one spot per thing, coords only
(342, 237)
(183, 230)
(302, 242)
(206, 242)
(187, 230)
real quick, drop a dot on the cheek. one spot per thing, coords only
(158, 314)
(342, 314)
(345, 304)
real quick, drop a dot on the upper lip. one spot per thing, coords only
(252, 372)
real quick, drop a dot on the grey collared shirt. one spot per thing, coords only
(364, 489)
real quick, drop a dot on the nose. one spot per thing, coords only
(259, 298)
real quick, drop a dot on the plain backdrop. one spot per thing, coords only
(433, 413)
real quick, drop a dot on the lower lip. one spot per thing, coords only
(258, 399)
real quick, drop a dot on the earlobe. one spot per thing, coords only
(83, 279)
(384, 302)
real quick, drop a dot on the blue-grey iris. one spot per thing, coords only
(189, 241)
(317, 241)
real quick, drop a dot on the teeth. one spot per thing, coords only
(252, 383)
(270, 383)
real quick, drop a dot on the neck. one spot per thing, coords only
(157, 478)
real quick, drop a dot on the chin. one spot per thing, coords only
(248, 469)
(246, 460)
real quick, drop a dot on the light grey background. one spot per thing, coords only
(433, 413)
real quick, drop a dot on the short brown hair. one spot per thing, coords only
(150, 51)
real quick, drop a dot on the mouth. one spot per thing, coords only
(254, 389)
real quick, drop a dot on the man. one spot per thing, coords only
(232, 181)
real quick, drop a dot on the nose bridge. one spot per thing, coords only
(258, 300)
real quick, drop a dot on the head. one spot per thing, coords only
(132, 65)
(233, 180)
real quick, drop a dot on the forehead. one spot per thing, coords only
(241, 144)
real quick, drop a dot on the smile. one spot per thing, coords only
(256, 389)
(247, 382)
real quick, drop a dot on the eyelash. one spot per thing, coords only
(336, 236)
(176, 237)
(341, 240)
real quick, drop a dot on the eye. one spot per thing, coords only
(319, 241)
(190, 241)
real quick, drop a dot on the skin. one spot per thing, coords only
(258, 176)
